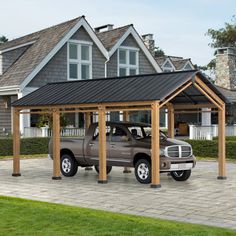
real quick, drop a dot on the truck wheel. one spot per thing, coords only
(181, 175)
(109, 168)
(143, 171)
(69, 166)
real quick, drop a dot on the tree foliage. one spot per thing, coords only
(158, 52)
(3, 39)
(224, 37)
(46, 120)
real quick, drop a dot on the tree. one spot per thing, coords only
(158, 52)
(46, 120)
(224, 37)
(3, 39)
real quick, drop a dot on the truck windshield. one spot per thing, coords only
(139, 132)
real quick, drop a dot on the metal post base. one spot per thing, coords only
(16, 174)
(155, 185)
(127, 171)
(222, 177)
(56, 177)
(102, 181)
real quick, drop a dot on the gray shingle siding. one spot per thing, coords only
(56, 69)
(112, 66)
(8, 58)
(5, 116)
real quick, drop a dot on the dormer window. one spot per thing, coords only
(79, 60)
(128, 63)
(167, 67)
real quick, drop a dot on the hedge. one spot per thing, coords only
(28, 146)
(209, 148)
(227, 138)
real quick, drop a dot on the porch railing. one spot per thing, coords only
(208, 132)
(46, 132)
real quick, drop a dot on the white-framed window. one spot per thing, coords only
(79, 60)
(167, 67)
(128, 61)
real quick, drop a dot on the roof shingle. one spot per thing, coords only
(18, 72)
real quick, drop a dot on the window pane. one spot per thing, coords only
(73, 71)
(73, 51)
(132, 72)
(85, 52)
(122, 72)
(132, 58)
(122, 56)
(85, 72)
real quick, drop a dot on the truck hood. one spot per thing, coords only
(146, 142)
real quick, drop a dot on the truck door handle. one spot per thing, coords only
(91, 144)
(112, 145)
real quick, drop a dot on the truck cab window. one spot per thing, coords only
(119, 135)
(96, 133)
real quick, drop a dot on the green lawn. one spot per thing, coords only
(23, 217)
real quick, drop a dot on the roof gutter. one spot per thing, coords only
(9, 90)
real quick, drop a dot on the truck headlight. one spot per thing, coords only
(162, 152)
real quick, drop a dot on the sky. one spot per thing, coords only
(179, 26)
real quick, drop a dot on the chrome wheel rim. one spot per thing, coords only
(178, 173)
(66, 165)
(143, 171)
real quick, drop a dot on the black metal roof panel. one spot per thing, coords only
(122, 89)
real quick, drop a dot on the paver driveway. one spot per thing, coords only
(202, 199)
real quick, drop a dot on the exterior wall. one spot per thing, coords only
(8, 58)
(226, 68)
(56, 69)
(112, 66)
(5, 115)
(145, 66)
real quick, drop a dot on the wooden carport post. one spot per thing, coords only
(155, 145)
(171, 121)
(126, 118)
(221, 143)
(16, 143)
(102, 145)
(56, 144)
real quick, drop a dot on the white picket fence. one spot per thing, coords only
(46, 132)
(208, 132)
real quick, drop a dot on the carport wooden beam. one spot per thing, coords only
(16, 143)
(102, 145)
(171, 121)
(56, 145)
(155, 145)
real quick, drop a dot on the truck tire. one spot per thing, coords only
(69, 166)
(143, 171)
(109, 168)
(181, 175)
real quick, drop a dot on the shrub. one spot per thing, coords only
(209, 148)
(28, 146)
(227, 138)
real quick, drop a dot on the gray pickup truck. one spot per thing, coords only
(128, 144)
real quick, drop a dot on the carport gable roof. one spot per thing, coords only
(151, 87)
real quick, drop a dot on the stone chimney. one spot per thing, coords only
(149, 42)
(226, 68)
(103, 28)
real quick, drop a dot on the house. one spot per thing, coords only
(71, 50)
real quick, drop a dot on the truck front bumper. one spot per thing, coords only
(176, 164)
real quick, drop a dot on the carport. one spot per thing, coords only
(186, 91)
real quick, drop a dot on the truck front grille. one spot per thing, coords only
(179, 151)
